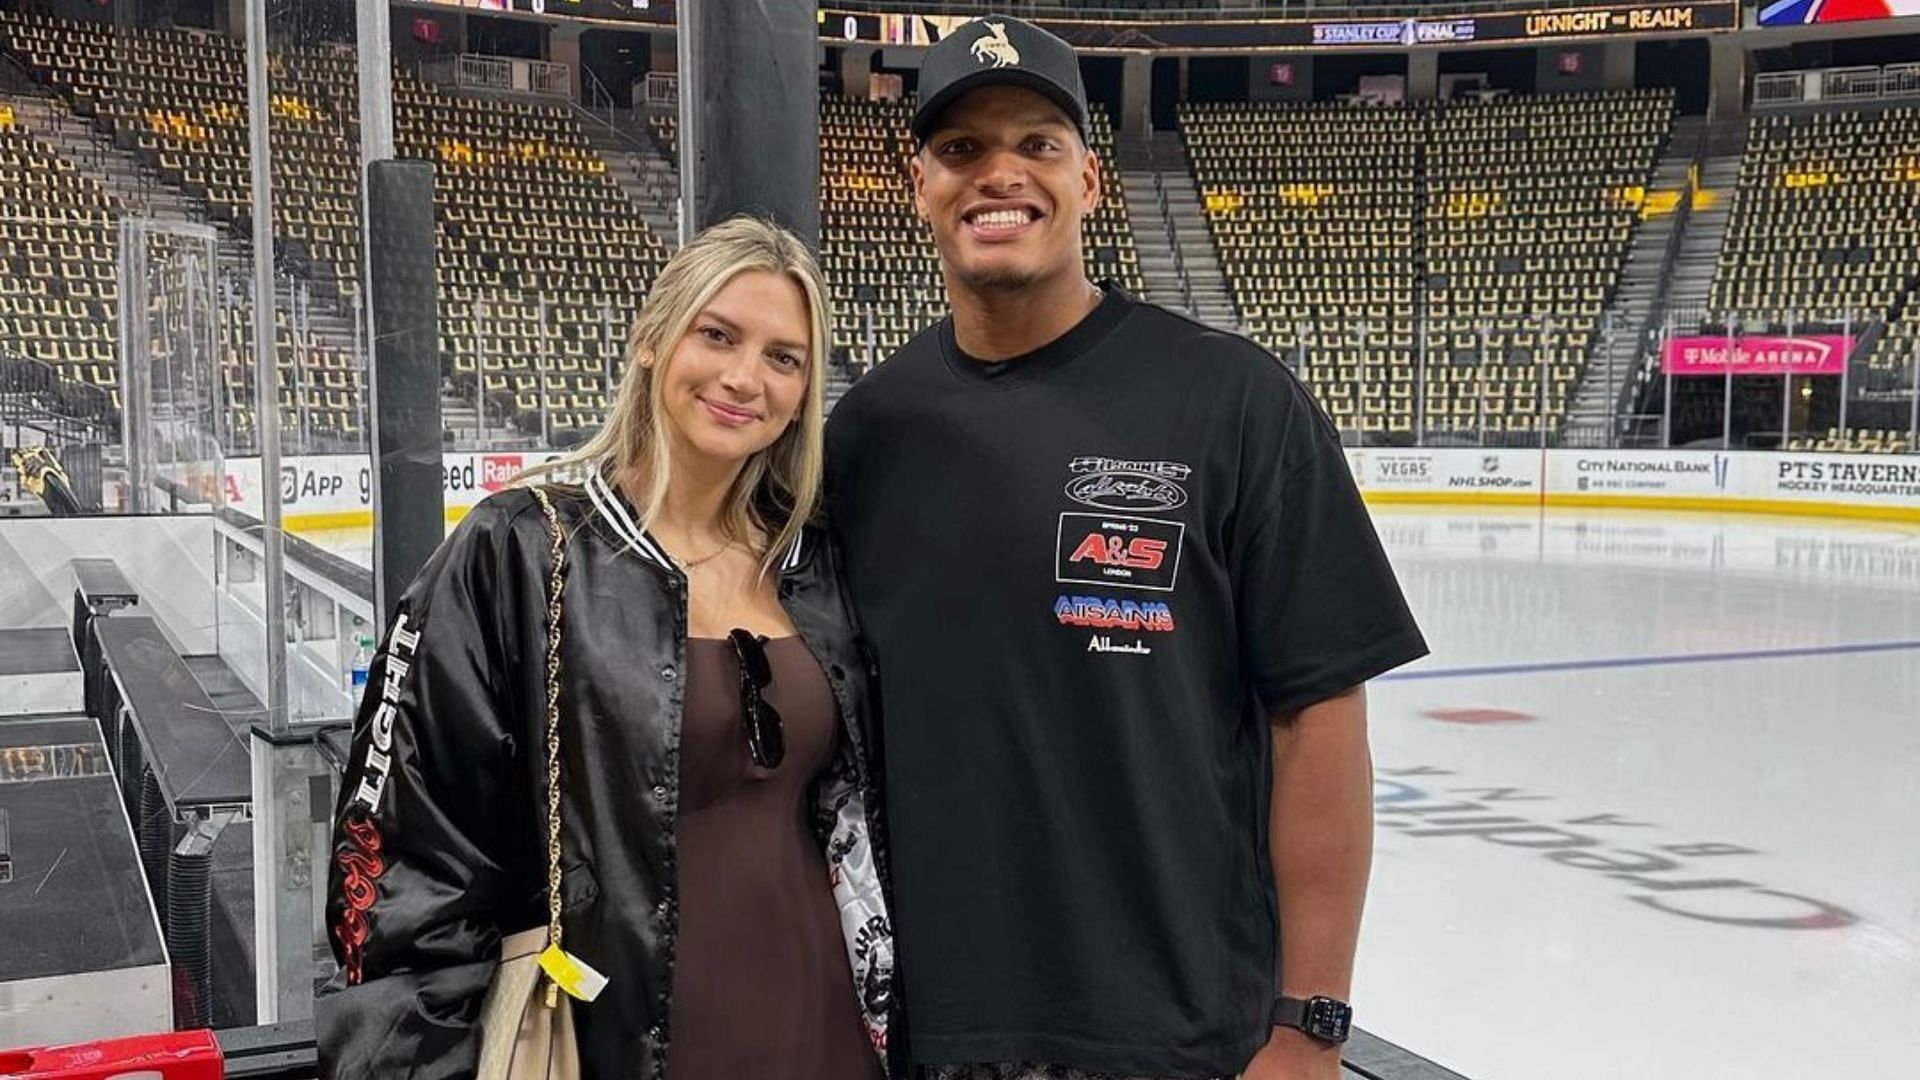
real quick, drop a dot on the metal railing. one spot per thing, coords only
(1163, 209)
(34, 394)
(482, 73)
(514, 396)
(1900, 80)
(595, 99)
(1777, 89)
(1850, 84)
(1783, 89)
(921, 310)
(550, 79)
(1647, 352)
(663, 88)
(1854, 383)
(500, 74)
(1384, 387)
(1875, 389)
(598, 105)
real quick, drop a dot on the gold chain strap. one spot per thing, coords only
(556, 581)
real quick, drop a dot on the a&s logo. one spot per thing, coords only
(1118, 550)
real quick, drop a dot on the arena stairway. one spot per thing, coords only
(1177, 256)
(1646, 271)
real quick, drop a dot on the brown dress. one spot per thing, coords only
(761, 983)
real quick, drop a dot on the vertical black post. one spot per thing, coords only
(750, 114)
(408, 514)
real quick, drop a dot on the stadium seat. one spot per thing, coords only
(58, 291)
(1466, 249)
(1825, 237)
(529, 222)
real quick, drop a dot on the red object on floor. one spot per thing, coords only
(175, 1055)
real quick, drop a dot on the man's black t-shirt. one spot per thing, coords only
(1089, 575)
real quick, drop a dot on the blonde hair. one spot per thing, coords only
(778, 491)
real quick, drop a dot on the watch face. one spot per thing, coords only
(1328, 1020)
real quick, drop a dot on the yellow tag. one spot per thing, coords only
(572, 974)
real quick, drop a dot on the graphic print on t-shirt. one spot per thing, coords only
(1141, 487)
(1118, 550)
(1109, 613)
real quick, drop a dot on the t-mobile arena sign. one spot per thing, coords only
(1750, 354)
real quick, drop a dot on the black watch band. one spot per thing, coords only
(1324, 1018)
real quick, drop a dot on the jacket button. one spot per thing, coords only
(659, 793)
(662, 908)
(668, 673)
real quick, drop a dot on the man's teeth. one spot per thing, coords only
(1002, 219)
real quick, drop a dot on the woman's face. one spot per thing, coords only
(738, 377)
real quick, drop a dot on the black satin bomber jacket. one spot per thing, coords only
(439, 838)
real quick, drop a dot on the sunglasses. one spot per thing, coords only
(766, 736)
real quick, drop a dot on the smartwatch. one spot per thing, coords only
(1324, 1018)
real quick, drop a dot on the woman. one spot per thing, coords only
(716, 861)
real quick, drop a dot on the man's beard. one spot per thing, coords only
(999, 279)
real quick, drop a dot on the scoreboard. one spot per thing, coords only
(1240, 35)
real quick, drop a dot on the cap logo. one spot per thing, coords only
(993, 47)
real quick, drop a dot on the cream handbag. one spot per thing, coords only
(526, 1024)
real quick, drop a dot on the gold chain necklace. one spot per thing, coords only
(688, 565)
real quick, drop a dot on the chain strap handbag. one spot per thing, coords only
(526, 1024)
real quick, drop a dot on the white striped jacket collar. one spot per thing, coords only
(607, 503)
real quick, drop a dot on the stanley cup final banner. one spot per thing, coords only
(1752, 354)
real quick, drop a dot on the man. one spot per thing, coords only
(1122, 597)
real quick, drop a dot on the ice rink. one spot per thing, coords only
(1652, 807)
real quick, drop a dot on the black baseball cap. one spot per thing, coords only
(998, 51)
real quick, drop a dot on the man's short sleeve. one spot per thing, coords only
(1317, 605)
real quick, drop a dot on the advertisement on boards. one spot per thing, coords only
(1462, 470)
(1693, 473)
(1858, 479)
(1765, 481)
(343, 483)
(1752, 354)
